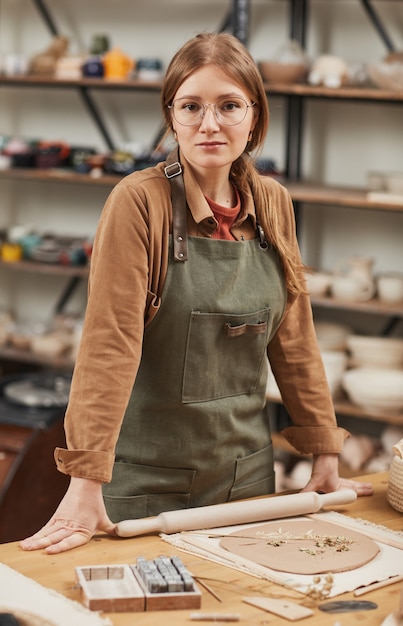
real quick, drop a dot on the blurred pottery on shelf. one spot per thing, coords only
(285, 73)
(318, 283)
(68, 68)
(117, 65)
(328, 70)
(335, 363)
(394, 182)
(386, 75)
(51, 344)
(348, 288)
(149, 69)
(15, 64)
(367, 351)
(51, 154)
(11, 252)
(332, 336)
(390, 287)
(290, 64)
(357, 451)
(376, 390)
(353, 279)
(93, 67)
(389, 182)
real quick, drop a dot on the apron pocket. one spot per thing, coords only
(254, 475)
(143, 491)
(219, 347)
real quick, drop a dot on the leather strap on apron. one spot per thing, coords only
(173, 171)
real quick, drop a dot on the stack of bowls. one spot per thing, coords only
(332, 336)
(376, 390)
(375, 380)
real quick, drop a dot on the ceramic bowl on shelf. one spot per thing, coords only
(332, 336)
(285, 73)
(376, 390)
(380, 352)
(318, 283)
(386, 75)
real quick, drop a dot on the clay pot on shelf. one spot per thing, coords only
(353, 279)
(117, 65)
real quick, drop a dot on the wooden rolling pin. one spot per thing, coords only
(232, 513)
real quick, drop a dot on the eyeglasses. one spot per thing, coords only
(228, 111)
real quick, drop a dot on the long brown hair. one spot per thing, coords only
(230, 55)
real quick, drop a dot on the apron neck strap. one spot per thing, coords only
(173, 171)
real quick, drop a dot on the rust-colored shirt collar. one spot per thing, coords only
(201, 212)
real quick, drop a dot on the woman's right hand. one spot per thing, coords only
(80, 515)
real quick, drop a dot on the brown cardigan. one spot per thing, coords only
(128, 270)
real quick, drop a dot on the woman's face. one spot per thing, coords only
(209, 143)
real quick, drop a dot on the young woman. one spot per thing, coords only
(196, 279)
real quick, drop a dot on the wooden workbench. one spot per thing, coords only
(57, 572)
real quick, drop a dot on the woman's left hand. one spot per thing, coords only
(325, 477)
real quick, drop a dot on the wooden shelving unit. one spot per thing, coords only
(28, 357)
(92, 83)
(307, 192)
(343, 93)
(374, 306)
(311, 193)
(343, 406)
(57, 176)
(47, 268)
(278, 89)
(301, 191)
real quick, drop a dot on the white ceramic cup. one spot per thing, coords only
(390, 287)
(15, 64)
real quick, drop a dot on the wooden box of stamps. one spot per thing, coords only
(126, 588)
(110, 588)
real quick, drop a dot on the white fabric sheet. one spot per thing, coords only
(20, 593)
(388, 562)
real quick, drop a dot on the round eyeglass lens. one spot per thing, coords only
(228, 111)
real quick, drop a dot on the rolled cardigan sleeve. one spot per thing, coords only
(93, 464)
(298, 368)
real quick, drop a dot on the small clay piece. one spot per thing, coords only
(44, 63)
(346, 606)
(302, 546)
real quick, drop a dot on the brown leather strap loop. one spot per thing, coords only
(173, 171)
(245, 329)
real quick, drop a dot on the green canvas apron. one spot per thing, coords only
(195, 431)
